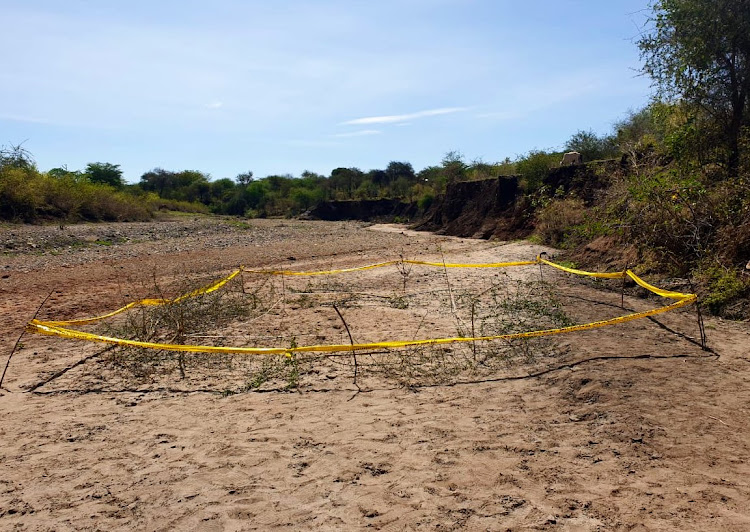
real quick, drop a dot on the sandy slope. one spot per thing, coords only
(637, 429)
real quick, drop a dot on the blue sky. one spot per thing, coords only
(280, 87)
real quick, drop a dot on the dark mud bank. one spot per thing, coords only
(481, 209)
(498, 208)
(379, 210)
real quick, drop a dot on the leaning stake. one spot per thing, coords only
(15, 346)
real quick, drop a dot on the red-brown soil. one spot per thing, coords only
(632, 427)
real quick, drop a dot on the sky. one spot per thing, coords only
(231, 86)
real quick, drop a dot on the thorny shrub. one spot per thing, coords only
(502, 306)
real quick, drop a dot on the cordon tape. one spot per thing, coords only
(61, 328)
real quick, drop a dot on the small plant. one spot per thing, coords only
(399, 302)
(404, 269)
(724, 286)
(292, 364)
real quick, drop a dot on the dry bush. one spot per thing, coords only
(559, 220)
(262, 311)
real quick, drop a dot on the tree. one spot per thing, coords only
(346, 180)
(16, 156)
(158, 180)
(699, 51)
(244, 178)
(591, 146)
(106, 174)
(454, 166)
(534, 167)
(62, 172)
(400, 170)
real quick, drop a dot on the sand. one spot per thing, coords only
(632, 427)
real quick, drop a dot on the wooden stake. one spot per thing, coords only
(15, 346)
(351, 340)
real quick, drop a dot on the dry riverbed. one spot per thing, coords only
(632, 427)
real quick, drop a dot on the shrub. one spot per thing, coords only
(557, 221)
(18, 198)
(534, 167)
(425, 201)
(724, 286)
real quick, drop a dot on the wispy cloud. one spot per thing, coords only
(214, 105)
(392, 119)
(361, 133)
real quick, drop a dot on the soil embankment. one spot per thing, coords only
(497, 209)
(479, 209)
(379, 210)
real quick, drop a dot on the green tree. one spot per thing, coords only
(699, 51)
(399, 170)
(535, 166)
(188, 185)
(62, 172)
(244, 178)
(346, 180)
(432, 177)
(454, 167)
(591, 146)
(105, 174)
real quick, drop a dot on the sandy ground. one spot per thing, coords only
(627, 428)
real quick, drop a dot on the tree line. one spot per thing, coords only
(65, 193)
(682, 198)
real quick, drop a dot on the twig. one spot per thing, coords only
(473, 334)
(354, 354)
(450, 289)
(720, 421)
(541, 274)
(15, 346)
(701, 328)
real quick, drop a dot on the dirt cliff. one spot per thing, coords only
(491, 208)
(498, 208)
(364, 210)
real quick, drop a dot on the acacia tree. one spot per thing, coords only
(106, 174)
(699, 51)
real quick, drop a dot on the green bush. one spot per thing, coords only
(534, 167)
(19, 199)
(425, 201)
(723, 286)
(27, 195)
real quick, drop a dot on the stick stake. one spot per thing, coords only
(354, 354)
(701, 328)
(12, 352)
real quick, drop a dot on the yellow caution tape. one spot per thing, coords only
(44, 328)
(615, 275)
(392, 263)
(658, 291)
(56, 328)
(151, 302)
(218, 284)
